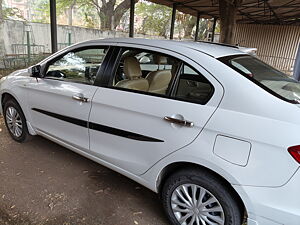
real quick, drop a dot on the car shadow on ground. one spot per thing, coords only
(44, 183)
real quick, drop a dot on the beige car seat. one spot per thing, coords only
(133, 73)
(159, 80)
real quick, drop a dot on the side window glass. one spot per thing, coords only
(145, 71)
(192, 86)
(80, 66)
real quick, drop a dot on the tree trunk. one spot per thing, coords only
(1, 12)
(70, 15)
(188, 28)
(110, 16)
(106, 17)
(107, 14)
(120, 10)
(2, 48)
(228, 11)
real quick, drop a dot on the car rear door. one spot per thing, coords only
(134, 129)
(60, 102)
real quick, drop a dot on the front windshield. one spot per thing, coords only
(266, 76)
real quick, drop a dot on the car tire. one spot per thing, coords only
(197, 197)
(15, 121)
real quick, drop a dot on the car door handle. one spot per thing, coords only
(80, 98)
(179, 122)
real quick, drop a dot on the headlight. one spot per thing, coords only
(2, 79)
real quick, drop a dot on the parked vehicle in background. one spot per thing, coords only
(211, 129)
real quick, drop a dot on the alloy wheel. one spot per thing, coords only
(194, 205)
(14, 121)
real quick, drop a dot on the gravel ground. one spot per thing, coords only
(44, 183)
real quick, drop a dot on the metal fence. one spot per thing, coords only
(284, 64)
(22, 61)
(22, 49)
(276, 44)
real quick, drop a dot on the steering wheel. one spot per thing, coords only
(56, 74)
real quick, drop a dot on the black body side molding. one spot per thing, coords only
(99, 127)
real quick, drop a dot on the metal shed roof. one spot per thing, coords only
(251, 11)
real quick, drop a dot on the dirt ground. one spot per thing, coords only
(44, 183)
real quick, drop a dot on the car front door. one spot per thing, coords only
(60, 102)
(132, 127)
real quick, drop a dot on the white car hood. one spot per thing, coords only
(22, 72)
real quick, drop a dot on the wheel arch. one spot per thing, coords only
(6, 96)
(174, 167)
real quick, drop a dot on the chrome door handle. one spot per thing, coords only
(80, 98)
(179, 122)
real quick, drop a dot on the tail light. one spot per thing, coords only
(295, 152)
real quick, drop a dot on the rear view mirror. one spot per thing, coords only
(145, 60)
(36, 71)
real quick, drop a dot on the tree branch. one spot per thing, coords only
(95, 3)
(120, 10)
(103, 3)
(236, 3)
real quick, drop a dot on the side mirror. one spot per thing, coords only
(35, 71)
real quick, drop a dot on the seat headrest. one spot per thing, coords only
(160, 60)
(132, 68)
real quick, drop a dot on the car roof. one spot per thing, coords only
(213, 49)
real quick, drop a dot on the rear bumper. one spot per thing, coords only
(271, 206)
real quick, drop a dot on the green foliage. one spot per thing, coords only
(151, 18)
(185, 24)
(12, 13)
(156, 18)
(218, 27)
(203, 28)
(89, 15)
(91, 12)
(42, 11)
(42, 8)
(90, 22)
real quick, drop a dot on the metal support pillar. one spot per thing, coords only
(53, 25)
(28, 45)
(197, 27)
(69, 38)
(131, 19)
(296, 72)
(213, 30)
(173, 21)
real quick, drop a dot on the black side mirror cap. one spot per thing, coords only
(35, 71)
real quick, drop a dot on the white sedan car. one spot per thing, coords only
(212, 130)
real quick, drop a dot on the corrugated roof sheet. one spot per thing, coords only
(251, 11)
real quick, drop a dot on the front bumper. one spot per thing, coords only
(1, 91)
(1, 81)
(271, 206)
(1, 110)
